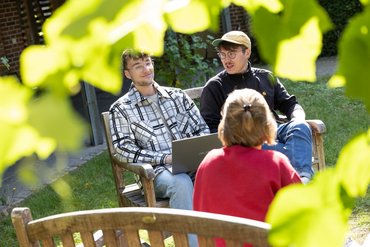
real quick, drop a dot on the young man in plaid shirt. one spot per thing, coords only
(144, 122)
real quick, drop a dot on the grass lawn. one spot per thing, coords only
(92, 184)
(344, 119)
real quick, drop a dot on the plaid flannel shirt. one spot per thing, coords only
(139, 133)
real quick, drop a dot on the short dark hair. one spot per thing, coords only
(131, 54)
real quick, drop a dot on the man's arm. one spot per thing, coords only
(211, 102)
(298, 113)
(286, 103)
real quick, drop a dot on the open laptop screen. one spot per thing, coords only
(187, 153)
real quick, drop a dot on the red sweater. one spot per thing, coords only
(241, 181)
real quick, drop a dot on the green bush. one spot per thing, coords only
(340, 11)
(184, 63)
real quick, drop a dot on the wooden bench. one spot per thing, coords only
(112, 222)
(132, 195)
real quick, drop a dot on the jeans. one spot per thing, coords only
(294, 139)
(179, 189)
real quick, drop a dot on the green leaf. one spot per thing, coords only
(18, 138)
(295, 44)
(299, 213)
(53, 117)
(100, 68)
(273, 6)
(149, 39)
(13, 101)
(68, 23)
(179, 22)
(354, 166)
(365, 2)
(304, 65)
(354, 58)
(88, 46)
(53, 61)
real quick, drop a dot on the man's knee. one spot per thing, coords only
(300, 126)
(183, 180)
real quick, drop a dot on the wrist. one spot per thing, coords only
(168, 160)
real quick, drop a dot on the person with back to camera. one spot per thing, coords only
(294, 137)
(241, 179)
(144, 122)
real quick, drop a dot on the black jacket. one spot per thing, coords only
(220, 86)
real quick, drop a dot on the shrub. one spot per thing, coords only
(340, 11)
(184, 63)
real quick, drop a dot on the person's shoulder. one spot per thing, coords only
(219, 76)
(213, 156)
(121, 102)
(217, 79)
(266, 74)
(172, 90)
(279, 157)
(258, 70)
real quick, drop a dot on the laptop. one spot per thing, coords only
(187, 153)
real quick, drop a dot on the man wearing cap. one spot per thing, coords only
(294, 137)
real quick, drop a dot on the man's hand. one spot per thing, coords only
(168, 159)
(298, 113)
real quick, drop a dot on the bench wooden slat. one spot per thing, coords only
(156, 221)
(87, 238)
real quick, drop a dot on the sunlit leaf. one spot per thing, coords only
(17, 140)
(337, 81)
(69, 23)
(100, 68)
(299, 213)
(45, 147)
(54, 117)
(28, 175)
(297, 37)
(354, 57)
(273, 6)
(13, 101)
(53, 60)
(354, 166)
(64, 191)
(300, 64)
(365, 2)
(62, 188)
(215, 8)
(150, 40)
(90, 39)
(179, 22)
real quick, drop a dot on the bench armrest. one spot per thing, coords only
(144, 170)
(317, 126)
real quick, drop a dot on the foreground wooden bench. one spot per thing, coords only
(132, 195)
(156, 221)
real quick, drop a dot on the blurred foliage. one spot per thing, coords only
(85, 45)
(340, 13)
(299, 26)
(354, 57)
